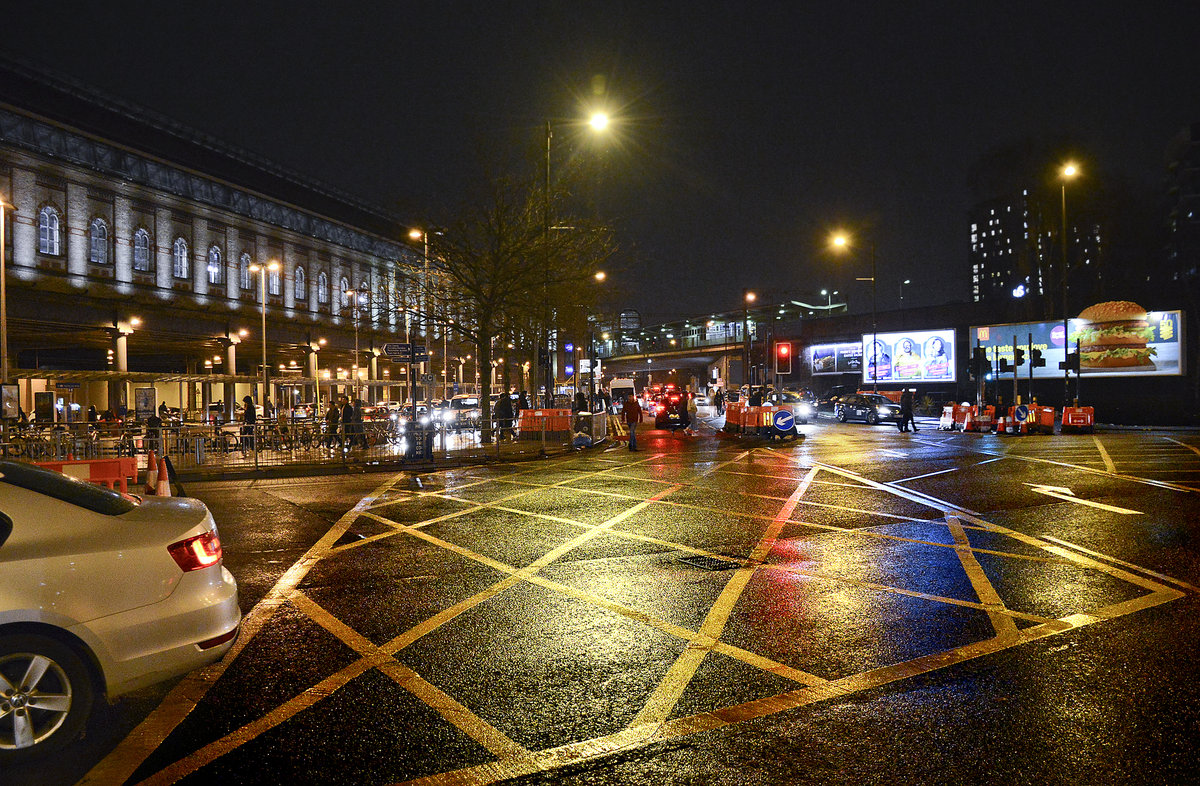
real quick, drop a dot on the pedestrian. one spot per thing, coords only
(93, 416)
(906, 411)
(504, 416)
(681, 406)
(693, 415)
(522, 403)
(347, 423)
(249, 419)
(581, 402)
(360, 431)
(632, 415)
(756, 397)
(333, 417)
(719, 402)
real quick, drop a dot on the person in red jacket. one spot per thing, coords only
(632, 414)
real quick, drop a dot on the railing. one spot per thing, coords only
(271, 444)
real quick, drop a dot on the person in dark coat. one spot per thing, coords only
(249, 419)
(581, 402)
(632, 415)
(906, 411)
(504, 416)
(348, 430)
(333, 416)
(522, 402)
(756, 397)
(93, 416)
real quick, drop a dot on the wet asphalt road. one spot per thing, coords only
(858, 607)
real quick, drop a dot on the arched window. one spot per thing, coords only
(179, 258)
(216, 266)
(275, 282)
(244, 271)
(98, 242)
(322, 288)
(344, 293)
(49, 235)
(300, 283)
(141, 251)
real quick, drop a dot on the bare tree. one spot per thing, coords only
(505, 272)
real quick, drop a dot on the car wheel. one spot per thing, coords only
(873, 418)
(841, 415)
(46, 694)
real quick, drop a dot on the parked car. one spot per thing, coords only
(100, 594)
(872, 408)
(801, 403)
(827, 402)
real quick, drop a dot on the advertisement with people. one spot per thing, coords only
(910, 356)
(1116, 338)
(835, 359)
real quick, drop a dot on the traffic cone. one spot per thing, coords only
(163, 487)
(151, 472)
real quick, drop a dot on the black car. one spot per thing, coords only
(666, 411)
(872, 408)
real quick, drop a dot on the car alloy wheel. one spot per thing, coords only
(45, 696)
(841, 415)
(873, 418)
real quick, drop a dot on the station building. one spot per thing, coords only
(143, 256)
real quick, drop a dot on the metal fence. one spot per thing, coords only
(270, 444)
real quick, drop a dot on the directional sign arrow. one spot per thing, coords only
(1058, 492)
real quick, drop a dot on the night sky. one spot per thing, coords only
(745, 131)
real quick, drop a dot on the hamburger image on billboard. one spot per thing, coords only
(1115, 336)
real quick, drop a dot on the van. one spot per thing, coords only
(620, 388)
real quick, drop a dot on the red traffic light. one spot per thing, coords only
(783, 358)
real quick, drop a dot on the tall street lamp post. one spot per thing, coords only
(842, 241)
(3, 316)
(1068, 173)
(262, 270)
(748, 297)
(354, 369)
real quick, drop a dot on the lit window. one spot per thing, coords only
(179, 258)
(98, 242)
(275, 282)
(300, 284)
(344, 293)
(322, 288)
(49, 234)
(244, 271)
(141, 251)
(216, 266)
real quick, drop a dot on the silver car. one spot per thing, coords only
(100, 594)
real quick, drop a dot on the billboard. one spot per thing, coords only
(1158, 339)
(910, 356)
(835, 359)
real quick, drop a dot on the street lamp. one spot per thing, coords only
(903, 284)
(3, 302)
(1068, 172)
(262, 271)
(841, 241)
(598, 122)
(748, 297)
(353, 293)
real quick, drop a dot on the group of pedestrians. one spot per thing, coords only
(344, 424)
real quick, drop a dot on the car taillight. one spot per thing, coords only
(661, 408)
(197, 553)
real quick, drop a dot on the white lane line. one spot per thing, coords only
(926, 475)
(1122, 563)
(1108, 462)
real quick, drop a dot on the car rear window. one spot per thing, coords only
(57, 485)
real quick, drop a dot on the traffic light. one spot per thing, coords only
(1019, 357)
(1005, 366)
(1071, 363)
(1035, 358)
(979, 363)
(783, 358)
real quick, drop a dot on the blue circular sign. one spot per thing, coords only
(783, 421)
(1021, 413)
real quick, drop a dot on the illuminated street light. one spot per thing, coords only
(262, 271)
(1068, 172)
(598, 121)
(841, 241)
(748, 297)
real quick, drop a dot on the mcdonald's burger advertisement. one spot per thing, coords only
(1117, 338)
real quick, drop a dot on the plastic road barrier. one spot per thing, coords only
(976, 420)
(1078, 419)
(1042, 419)
(110, 472)
(947, 421)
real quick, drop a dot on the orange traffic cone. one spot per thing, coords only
(163, 487)
(151, 472)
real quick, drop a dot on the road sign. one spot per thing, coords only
(1021, 414)
(427, 379)
(783, 421)
(420, 354)
(396, 351)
